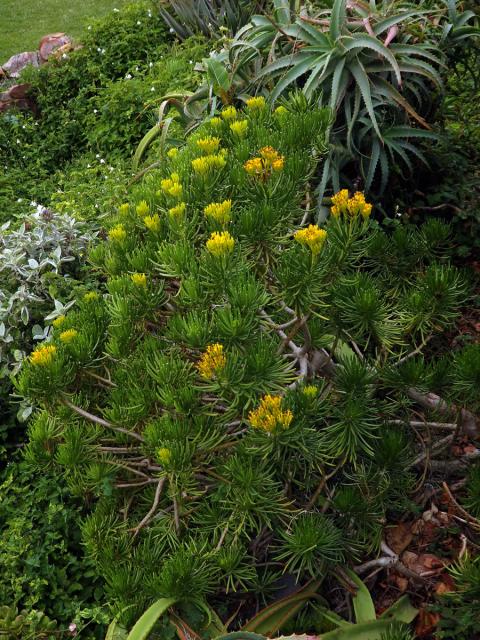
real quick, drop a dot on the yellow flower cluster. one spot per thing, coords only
(265, 164)
(270, 416)
(172, 153)
(142, 208)
(59, 321)
(256, 103)
(342, 204)
(152, 222)
(310, 391)
(177, 212)
(239, 128)
(280, 111)
(215, 122)
(124, 208)
(172, 187)
(117, 234)
(43, 356)
(164, 455)
(205, 164)
(219, 211)
(90, 296)
(212, 362)
(208, 145)
(254, 166)
(139, 279)
(312, 237)
(68, 335)
(220, 244)
(230, 113)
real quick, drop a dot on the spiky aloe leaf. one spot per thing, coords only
(363, 83)
(338, 18)
(362, 600)
(147, 621)
(273, 617)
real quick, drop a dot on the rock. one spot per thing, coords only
(50, 43)
(53, 44)
(15, 64)
(19, 91)
(16, 96)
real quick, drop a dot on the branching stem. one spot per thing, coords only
(153, 508)
(103, 423)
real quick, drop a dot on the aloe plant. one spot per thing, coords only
(363, 63)
(187, 17)
(391, 624)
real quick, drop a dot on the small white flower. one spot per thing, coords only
(33, 203)
(97, 156)
(102, 161)
(89, 27)
(116, 10)
(150, 64)
(172, 30)
(136, 68)
(138, 22)
(102, 51)
(64, 56)
(18, 141)
(95, 111)
(152, 89)
(88, 166)
(128, 76)
(20, 200)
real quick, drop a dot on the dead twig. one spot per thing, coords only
(104, 423)
(151, 513)
(474, 522)
(468, 422)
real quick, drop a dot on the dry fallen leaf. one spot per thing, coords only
(400, 582)
(426, 623)
(399, 537)
(445, 585)
(425, 564)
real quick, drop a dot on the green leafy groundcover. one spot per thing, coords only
(96, 100)
(42, 564)
(237, 404)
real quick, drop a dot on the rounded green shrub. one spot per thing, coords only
(237, 403)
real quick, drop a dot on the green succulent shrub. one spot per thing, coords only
(236, 405)
(472, 499)
(459, 610)
(42, 565)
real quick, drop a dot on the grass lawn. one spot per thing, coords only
(24, 22)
